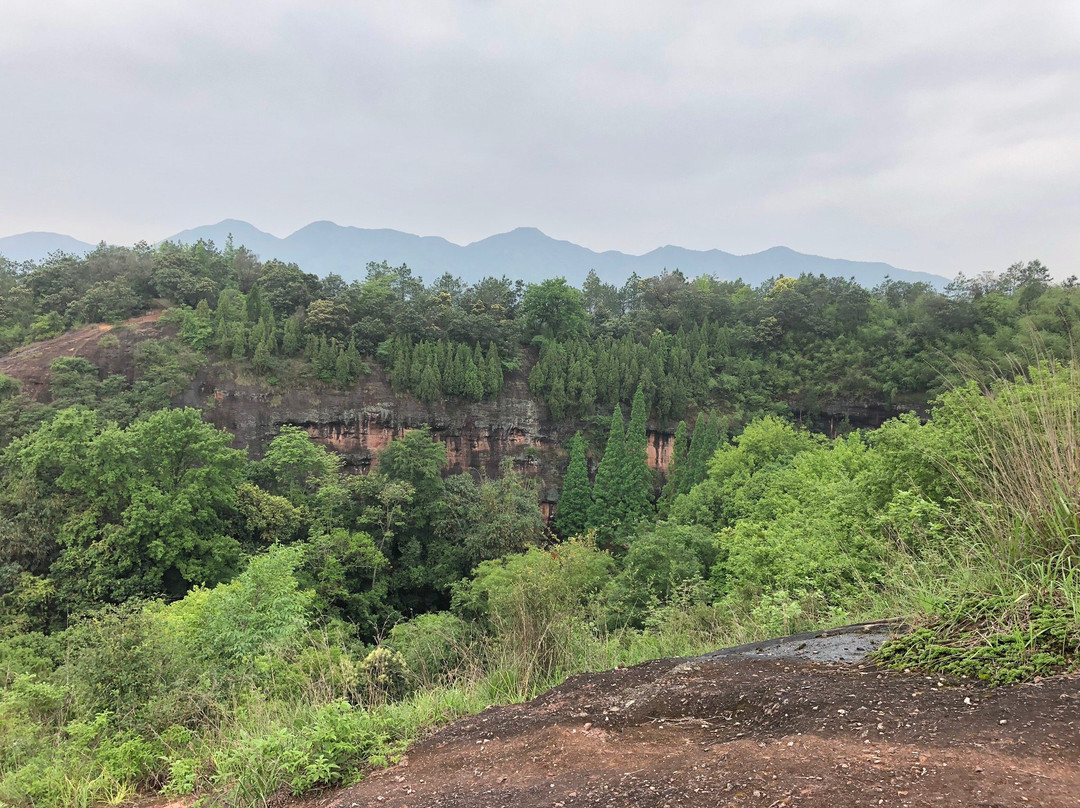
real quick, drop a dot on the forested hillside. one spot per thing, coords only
(177, 614)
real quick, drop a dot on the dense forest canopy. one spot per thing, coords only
(689, 344)
(176, 614)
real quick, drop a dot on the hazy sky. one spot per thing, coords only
(936, 136)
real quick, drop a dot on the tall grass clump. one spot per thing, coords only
(1001, 591)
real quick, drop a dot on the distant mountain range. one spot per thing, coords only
(325, 247)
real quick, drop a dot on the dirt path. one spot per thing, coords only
(749, 731)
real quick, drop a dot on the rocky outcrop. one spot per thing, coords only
(360, 422)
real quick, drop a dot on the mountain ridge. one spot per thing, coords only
(324, 247)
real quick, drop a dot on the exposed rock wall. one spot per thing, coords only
(361, 422)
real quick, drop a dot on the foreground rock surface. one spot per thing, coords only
(749, 731)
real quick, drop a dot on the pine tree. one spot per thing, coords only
(606, 511)
(703, 445)
(428, 390)
(399, 365)
(356, 362)
(239, 342)
(342, 372)
(493, 376)
(696, 457)
(572, 516)
(676, 468)
(325, 361)
(471, 386)
(538, 381)
(635, 476)
(556, 398)
(261, 360)
(253, 305)
(293, 338)
(710, 442)
(587, 399)
(417, 362)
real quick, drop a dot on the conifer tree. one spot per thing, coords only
(538, 382)
(572, 516)
(291, 341)
(606, 511)
(676, 468)
(342, 372)
(356, 363)
(399, 365)
(635, 476)
(417, 362)
(429, 390)
(696, 457)
(710, 442)
(493, 376)
(239, 342)
(471, 386)
(253, 305)
(261, 359)
(703, 446)
(325, 361)
(556, 398)
(223, 337)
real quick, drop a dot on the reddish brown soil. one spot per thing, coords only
(30, 364)
(749, 732)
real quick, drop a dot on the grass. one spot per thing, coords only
(1001, 600)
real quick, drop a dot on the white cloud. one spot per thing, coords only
(934, 136)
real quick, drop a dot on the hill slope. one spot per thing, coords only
(35, 246)
(527, 253)
(748, 732)
(324, 247)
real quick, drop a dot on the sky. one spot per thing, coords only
(942, 137)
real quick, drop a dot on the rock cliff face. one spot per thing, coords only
(360, 422)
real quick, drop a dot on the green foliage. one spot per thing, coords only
(660, 563)
(606, 512)
(634, 474)
(433, 646)
(553, 309)
(1000, 640)
(136, 511)
(678, 478)
(259, 672)
(295, 467)
(572, 516)
(263, 610)
(535, 605)
(384, 674)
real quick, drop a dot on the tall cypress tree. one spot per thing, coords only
(493, 376)
(696, 456)
(710, 442)
(635, 476)
(703, 445)
(606, 509)
(471, 386)
(428, 390)
(292, 341)
(572, 516)
(676, 468)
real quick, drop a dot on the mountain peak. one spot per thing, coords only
(324, 247)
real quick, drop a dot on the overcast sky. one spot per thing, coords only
(935, 136)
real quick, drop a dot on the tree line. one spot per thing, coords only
(690, 344)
